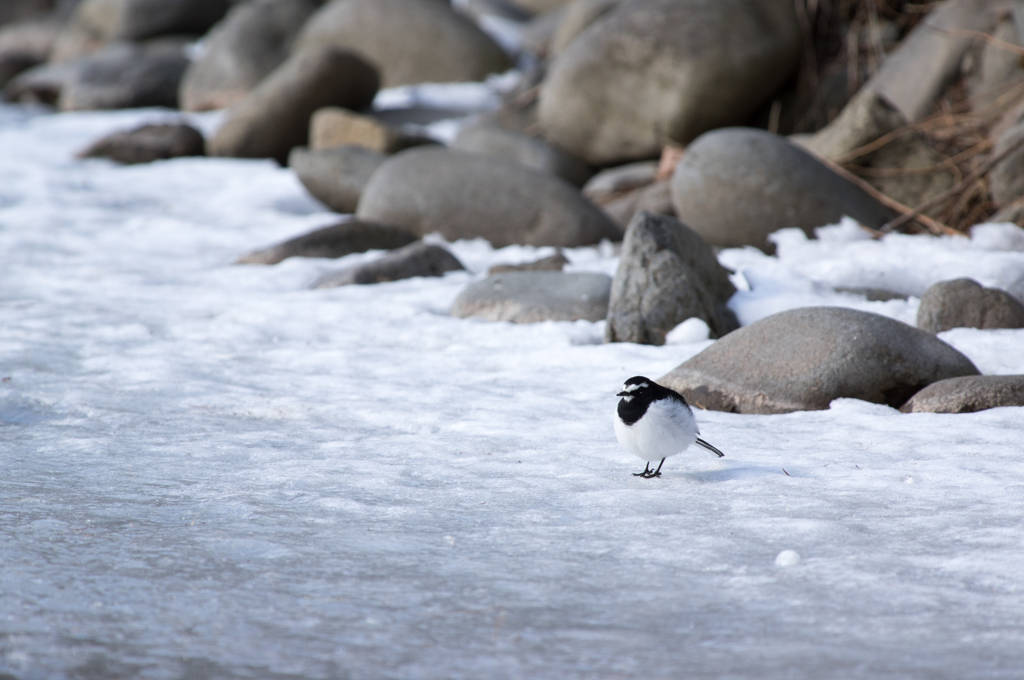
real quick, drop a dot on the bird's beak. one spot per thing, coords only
(622, 394)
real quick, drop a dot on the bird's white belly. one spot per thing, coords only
(666, 429)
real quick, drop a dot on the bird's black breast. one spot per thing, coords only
(632, 410)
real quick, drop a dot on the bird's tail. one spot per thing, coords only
(710, 448)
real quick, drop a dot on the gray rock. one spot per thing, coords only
(539, 6)
(274, 117)
(802, 359)
(872, 294)
(408, 41)
(964, 303)
(614, 183)
(654, 198)
(15, 10)
(657, 70)
(993, 66)
(464, 195)
(917, 73)
(554, 263)
(415, 259)
(246, 46)
(125, 75)
(26, 43)
(337, 176)
(667, 274)
(481, 10)
(579, 14)
(334, 126)
(148, 143)
(867, 117)
(538, 33)
(338, 240)
(140, 19)
(968, 394)
(737, 185)
(529, 151)
(531, 297)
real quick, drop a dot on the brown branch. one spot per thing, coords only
(980, 35)
(947, 164)
(934, 226)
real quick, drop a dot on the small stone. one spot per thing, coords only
(335, 176)
(968, 394)
(787, 558)
(872, 294)
(554, 263)
(333, 126)
(964, 303)
(654, 198)
(148, 143)
(338, 240)
(614, 183)
(531, 297)
(416, 259)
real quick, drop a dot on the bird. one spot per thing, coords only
(653, 422)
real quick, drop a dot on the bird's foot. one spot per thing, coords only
(648, 473)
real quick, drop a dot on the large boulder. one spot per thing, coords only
(415, 259)
(667, 274)
(408, 41)
(530, 151)
(737, 185)
(125, 75)
(274, 117)
(651, 70)
(964, 303)
(148, 143)
(968, 394)
(251, 41)
(336, 177)
(464, 195)
(335, 241)
(533, 296)
(802, 359)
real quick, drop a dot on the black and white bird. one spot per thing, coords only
(653, 422)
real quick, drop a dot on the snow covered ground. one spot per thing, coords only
(209, 471)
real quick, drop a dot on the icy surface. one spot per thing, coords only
(210, 471)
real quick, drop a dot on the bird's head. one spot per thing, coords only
(637, 386)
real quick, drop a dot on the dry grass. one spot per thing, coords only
(851, 36)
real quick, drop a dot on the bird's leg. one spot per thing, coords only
(657, 473)
(646, 474)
